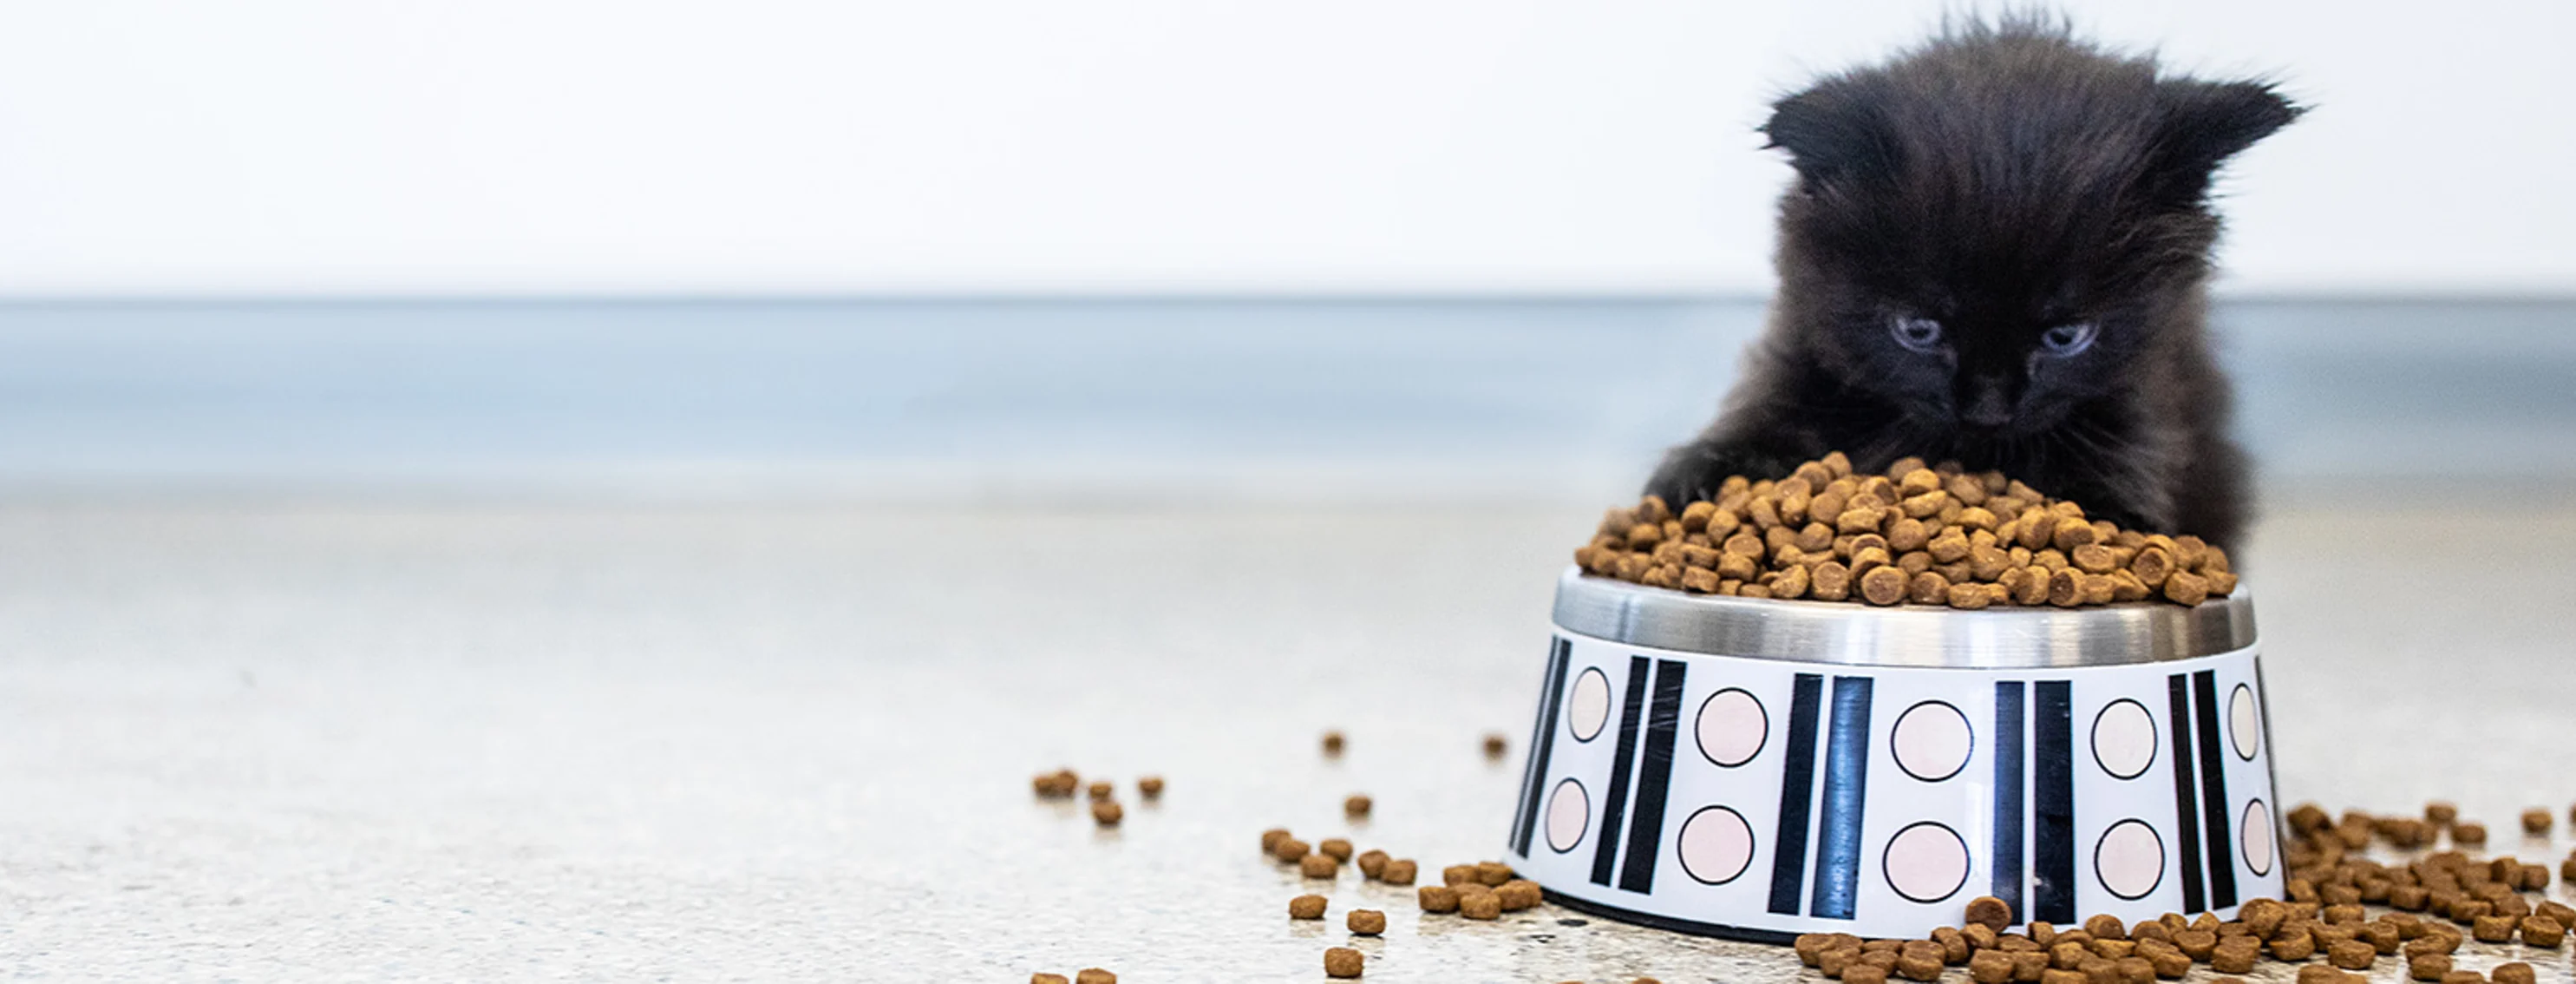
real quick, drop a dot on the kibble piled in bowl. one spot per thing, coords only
(1926, 535)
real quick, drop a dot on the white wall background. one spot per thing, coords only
(983, 146)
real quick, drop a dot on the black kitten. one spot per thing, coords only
(1995, 253)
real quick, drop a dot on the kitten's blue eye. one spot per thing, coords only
(2065, 340)
(1919, 334)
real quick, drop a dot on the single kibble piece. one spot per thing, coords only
(1496, 745)
(1366, 922)
(1493, 873)
(1990, 967)
(1860, 973)
(1332, 743)
(1306, 907)
(1342, 961)
(1094, 975)
(2543, 931)
(2440, 814)
(2494, 929)
(1290, 849)
(1480, 905)
(2428, 966)
(2471, 833)
(1437, 898)
(2463, 977)
(2234, 959)
(1337, 848)
(1458, 874)
(1270, 839)
(1398, 872)
(1917, 967)
(2294, 946)
(1372, 863)
(2106, 927)
(1101, 789)
(2516, 972)
(1517, 895)
(2535, 821)
(2352, 955)
(1046, 978)
(1107, 813)
(1356, 805)
(1150, 787)
(1990, 912)
(1318, 866)
(1883, 585)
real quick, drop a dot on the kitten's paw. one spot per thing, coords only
(1693, 472)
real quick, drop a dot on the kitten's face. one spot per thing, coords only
(1989, 232)
(1989, 340)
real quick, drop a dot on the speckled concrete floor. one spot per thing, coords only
(473, 742)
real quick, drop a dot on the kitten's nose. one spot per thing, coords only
(1987, 406)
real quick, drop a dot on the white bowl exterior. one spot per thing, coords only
(2047, 802)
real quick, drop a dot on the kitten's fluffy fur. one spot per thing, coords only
(1997, 183)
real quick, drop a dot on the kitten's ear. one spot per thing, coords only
(2202, 124)
(1833, 131)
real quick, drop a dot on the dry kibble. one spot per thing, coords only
(1398, 872)
(1372, 863)
(1883, 585)
(1107, 813)
(2469, 833)
(1046, 978)
(1437, 898)
(2494, 928)
(2543, 931)
(1356, 805)
(1333, 739)
(1342, 961)
(1335, 847)
(1306, 907)
(1984, 539)
(2535, 821)
(2428, 966)
(1289, 849)
(1150, 787)
(2516, 972)
(1496, 745)
(1056, 785)
(1101, 789)
(1480, 905)
(1517, 895)
(1366, 922)
(1094, 975)
(2351, 955)
(2440, 814)
(1319, 866)
(2463, 977)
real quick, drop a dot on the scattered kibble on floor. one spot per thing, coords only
(2329, 883)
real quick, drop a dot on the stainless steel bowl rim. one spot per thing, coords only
(1846, 634)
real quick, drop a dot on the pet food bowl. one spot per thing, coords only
(1757, 769)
